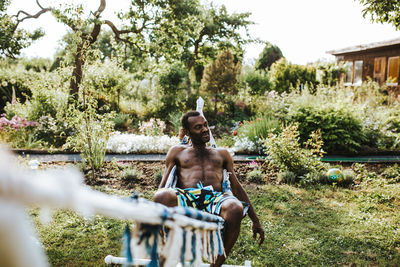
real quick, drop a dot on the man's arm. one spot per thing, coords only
(239, 192)
(170, 162)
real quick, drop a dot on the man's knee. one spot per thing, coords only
(166, 196)
(232, 210)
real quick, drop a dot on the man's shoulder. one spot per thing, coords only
(174, 152)
(177, 149)
(222, 151)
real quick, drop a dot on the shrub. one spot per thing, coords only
(91, 132)
(18, 132)
(122, 122)
(157, 176)
(131, 175)
(313, 177)
(153, 127)
(269, 55)
(172, 81)
(251, 133)
(47, 105)
(286, 76)
(392, 173)
(287, 177)
(220, 77)
(341, 130)
(259, 127)
(174, 119)
(226, 141)
(349, 176)
(328, 73)
(108, 82)
(258, 82)
(285, 152)
(15, 85)
(255, 176)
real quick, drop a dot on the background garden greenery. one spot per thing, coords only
(121, 79)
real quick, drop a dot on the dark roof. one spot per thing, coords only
(364, 47)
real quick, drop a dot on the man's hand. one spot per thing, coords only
(257, 229)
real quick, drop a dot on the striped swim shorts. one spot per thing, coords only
(202, 198)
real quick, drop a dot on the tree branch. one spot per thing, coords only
(117, 32)
(100, 9)
(29, 16)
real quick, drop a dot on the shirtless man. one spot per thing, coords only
(199, 167)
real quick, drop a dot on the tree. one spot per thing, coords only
(268, 56)
(220, 77)
(138, 22)
(286, 76)
(203, 32)
(13, 40)
(258, 82)
(151, 31)
(171, 81)
(383, 11)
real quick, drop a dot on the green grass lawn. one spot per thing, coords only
(320, 226)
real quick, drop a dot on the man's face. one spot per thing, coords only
(198, 129)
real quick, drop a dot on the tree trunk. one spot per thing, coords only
(76, 73)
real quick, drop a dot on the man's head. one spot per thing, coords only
(196, 127)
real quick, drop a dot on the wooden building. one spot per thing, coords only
(379, 61)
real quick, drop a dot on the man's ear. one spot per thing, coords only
(185, 131)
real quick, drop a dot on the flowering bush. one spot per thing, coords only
(16, 123)
(244, 145)
(152, 127)
(132, 143)
(18, 132)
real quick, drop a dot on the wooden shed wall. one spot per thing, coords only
(368, 57)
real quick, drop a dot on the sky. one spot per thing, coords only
(303, 30)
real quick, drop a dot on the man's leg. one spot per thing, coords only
(166, 196)
(232, 213)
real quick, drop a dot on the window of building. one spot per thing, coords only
(393, 71)
(349, 72)
(358, 72)
(379, 69)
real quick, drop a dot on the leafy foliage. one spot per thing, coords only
(13, 40)
(383, 11)
(220, 77)
(131, 175)
(91, 132)
(172, 81)
(341, 131)
(258, 81)
(269, 55)
(329, 73)
(285, 151)
(257, 129)
(286, 76)
(19, 132)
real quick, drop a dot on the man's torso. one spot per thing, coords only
(195, 166)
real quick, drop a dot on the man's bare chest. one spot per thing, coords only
(192, 159)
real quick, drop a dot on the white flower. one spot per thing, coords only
(132, 143)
